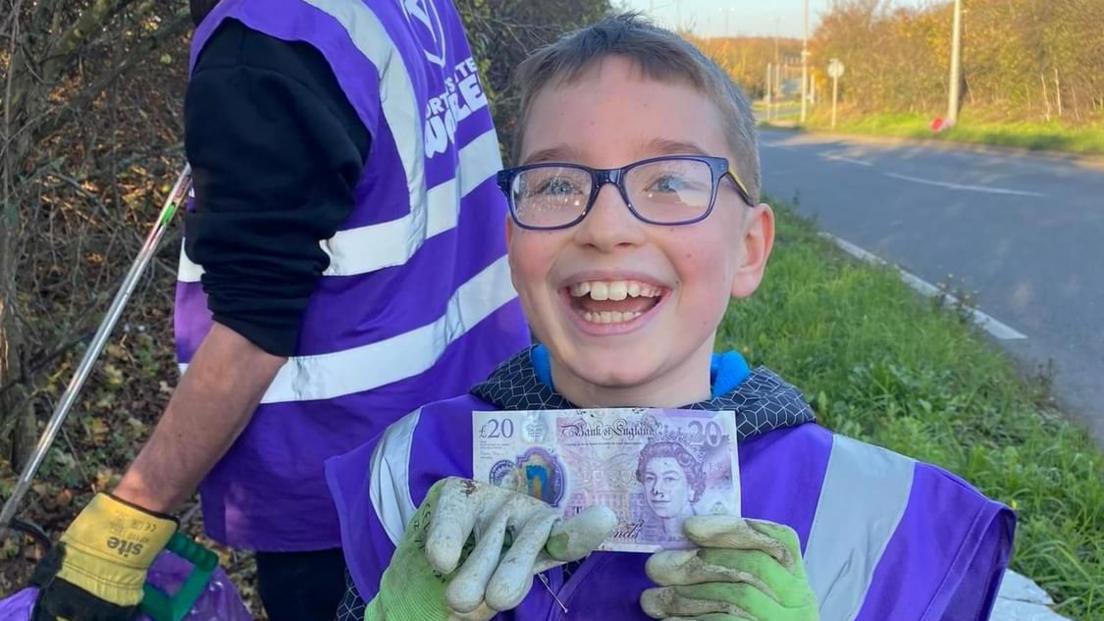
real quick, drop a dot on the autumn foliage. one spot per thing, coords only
(1022, 60)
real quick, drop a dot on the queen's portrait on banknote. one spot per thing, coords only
(674, 479)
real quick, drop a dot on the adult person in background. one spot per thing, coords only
(343, 256)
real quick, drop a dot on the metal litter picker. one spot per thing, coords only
(156, 603)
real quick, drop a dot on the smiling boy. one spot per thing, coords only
(634, 222)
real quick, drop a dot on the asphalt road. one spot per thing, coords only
(1023, 233)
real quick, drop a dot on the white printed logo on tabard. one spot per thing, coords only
(426, 22)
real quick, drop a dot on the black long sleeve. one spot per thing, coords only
(276, 150)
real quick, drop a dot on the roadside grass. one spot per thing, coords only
(1085, 139)
(884, 365)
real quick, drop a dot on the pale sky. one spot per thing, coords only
(710, 18)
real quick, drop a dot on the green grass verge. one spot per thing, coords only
(886, 366)
(1085, 139)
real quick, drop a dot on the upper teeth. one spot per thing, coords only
(614, 289)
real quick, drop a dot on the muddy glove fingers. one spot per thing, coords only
(702, 565)
(743, 569)
(514, 576)
(488, 575)
(467, 508)
(723, 531)
(574, 538)
(411, 589)
(458, 507)
(546, 541)
(465, 590)
(542, 541)
(726, 601)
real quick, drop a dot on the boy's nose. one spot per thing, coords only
(609, 224)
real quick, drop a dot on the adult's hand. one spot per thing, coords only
(741, 570)
(97, 569)
(437, 574)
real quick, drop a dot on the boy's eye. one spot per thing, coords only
(556, 186)
(668, 183)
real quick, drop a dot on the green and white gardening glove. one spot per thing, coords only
(437, 574)
(741, 570)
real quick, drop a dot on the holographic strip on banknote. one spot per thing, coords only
(653, 467)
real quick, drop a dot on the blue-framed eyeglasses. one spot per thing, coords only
(669, 191)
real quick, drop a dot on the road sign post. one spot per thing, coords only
(835, 70)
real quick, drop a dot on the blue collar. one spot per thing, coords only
(726, 371)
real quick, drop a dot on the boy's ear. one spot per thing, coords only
(758, 238)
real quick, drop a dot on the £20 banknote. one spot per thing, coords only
(653, 467)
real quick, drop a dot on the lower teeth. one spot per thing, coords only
(610, 316)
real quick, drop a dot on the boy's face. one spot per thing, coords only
(653, 346)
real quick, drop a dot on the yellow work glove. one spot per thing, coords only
(97, 570)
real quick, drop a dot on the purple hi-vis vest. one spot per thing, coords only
(416, 304)
(884, 537)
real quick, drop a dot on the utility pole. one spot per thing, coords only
(835, 70)
(776, 27)
(835, 98)
(805, 66)
(767, 92)
(956, 66)
(777, 61)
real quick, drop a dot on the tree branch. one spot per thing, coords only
(60, 115)
(78, 33)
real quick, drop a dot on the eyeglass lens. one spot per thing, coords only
(663, 192)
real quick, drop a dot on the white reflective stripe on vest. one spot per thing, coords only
(389, 485)
(399, 105)
(862, 500)
(363, 368)
(364, 249)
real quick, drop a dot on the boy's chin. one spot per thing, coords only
(613, 370)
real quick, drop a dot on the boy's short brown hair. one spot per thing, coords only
(661, 55)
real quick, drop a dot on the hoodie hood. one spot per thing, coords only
(762, 400)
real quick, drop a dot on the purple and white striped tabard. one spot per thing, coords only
(884, 537)
(416, 304)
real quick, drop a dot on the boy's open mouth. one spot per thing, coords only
(613, 301)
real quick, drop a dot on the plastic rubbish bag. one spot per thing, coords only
(220, 601)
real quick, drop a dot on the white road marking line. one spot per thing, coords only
(960, 186)
(778, 145)
(841, 158)
(986, 322)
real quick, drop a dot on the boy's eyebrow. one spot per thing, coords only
(654, 147)
(558, 153)
(665, 146)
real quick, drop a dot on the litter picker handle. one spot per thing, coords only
(161, 606)
(175, 199)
